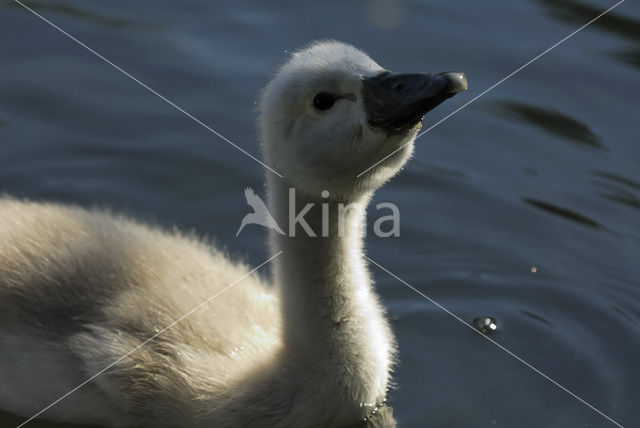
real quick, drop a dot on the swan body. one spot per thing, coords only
(79, 289)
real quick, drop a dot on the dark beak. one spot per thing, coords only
(397, 102)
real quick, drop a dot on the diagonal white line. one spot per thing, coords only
(162, 97)
(523, 66)
(496, 343)
(149, 339)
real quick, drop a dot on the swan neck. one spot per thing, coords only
(334, 328)
(322, 271)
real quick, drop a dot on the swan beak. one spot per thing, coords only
(397, 102)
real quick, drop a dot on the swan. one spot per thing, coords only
(80, 288)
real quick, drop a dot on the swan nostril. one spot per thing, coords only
(397, 87)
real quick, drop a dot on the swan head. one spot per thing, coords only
(331, 112)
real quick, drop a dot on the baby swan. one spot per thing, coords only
(79, 288)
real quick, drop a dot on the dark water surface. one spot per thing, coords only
(541, 172)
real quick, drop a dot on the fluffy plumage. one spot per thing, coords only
(79, 289)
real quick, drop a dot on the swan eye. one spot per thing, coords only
(324, 100)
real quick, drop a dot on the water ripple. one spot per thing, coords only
(81, 14)
(551, 121)
(536, 317)
(617, 188)
(629, 56)
(577, 12)
(563, 212)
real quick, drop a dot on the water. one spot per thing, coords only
(540, 172)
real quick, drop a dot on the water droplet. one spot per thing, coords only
(485, 325)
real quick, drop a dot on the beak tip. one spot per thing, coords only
(457, 82)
